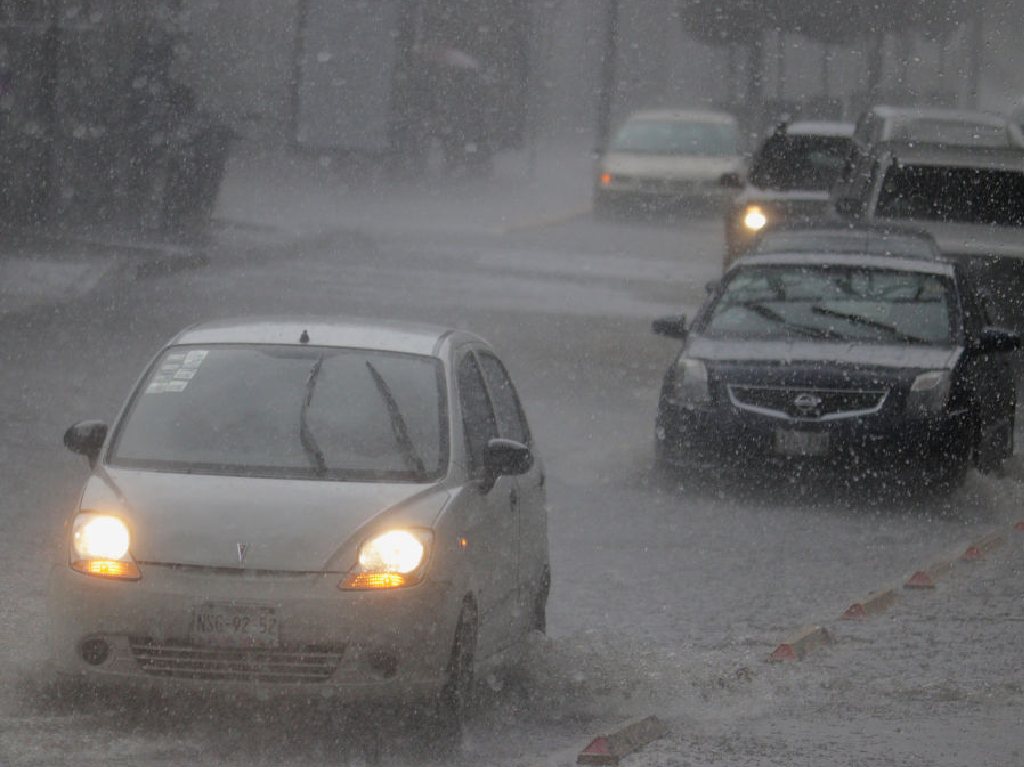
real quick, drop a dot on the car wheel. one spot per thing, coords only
(603, 207)
(454, 698)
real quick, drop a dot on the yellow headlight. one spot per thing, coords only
(754, 219)
(390, 560)
(100, 545)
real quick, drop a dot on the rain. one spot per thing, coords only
(511, 382)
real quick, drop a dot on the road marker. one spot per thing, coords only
(925, 579)
(797, 646)
(978, 549)
(609, 749)
(870, 605)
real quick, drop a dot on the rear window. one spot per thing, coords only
(800, 162)
(954, 195)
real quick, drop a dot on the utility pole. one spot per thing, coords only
(298, 59)
(974, 53)
(609, 69)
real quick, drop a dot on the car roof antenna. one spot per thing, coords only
(304, 338)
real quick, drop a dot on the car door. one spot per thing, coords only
(529, 498)
(491, 522)
(989, 377)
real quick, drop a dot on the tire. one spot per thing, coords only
(455, 697)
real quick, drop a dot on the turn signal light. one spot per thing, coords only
(108, 568)
(374, 581)
(606, 179)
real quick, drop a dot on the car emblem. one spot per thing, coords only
(806, 401)
(243, 549)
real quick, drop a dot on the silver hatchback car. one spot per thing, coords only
(353, 510)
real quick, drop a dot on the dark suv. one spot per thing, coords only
(865, 361)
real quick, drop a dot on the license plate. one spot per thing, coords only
(801, 443)
(231, 625)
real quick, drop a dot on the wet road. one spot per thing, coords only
(661, 588)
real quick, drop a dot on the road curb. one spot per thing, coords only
(870, 605)
(609, 749)
(801, 643)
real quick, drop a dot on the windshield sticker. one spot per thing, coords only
(176, 371)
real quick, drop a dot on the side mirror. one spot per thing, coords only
(670, 327)
(997, 340)
(86, 438)
(731, 181)
(849, 206)
(506, 458)
(712, 287)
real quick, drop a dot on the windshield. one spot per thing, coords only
(839, 304)
(954, 195)
(676, 137)
(288, 412)
(800, 162)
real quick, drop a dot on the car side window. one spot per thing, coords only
(477, 415)
(511, 420)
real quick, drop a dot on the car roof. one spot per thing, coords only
(685, 115)
(866, 239)
(869, 261)
(919, 153)
(387, 336)
(954, 115)
(820, 128)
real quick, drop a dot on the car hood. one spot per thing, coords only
(973, 239)
(671, 166)
(285, 525)
(851, 354)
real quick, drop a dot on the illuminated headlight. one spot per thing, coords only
(100, 546)
(754, 219)
(928, 393)
(691, 383)
(390, 560)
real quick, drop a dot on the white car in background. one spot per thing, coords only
(335, 509)
(661, 157)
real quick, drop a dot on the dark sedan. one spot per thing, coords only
(854, 360)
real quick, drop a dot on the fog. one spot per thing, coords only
(567, 548)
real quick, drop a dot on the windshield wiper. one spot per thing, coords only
(309, 443)
(769, 314)
(867, 322)
(398, 427)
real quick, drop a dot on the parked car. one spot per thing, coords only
(341, 509)
(670, 156)
(849, 361)
(948, 127)
(790, 178)
(971, 200)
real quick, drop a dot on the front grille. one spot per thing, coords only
(309, 665)
(806, 404)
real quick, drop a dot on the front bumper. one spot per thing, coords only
(723, 436)
(352, 646)
(641, 190)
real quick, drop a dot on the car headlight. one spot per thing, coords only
(928, 393)
(690, 387)
(391, 560)
(100, 546)
(754, 219)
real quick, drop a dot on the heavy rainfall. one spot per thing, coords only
(511, 382)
